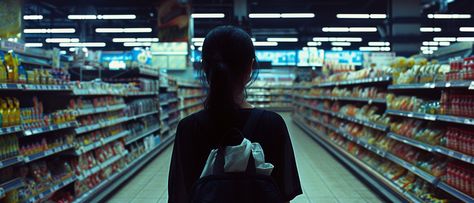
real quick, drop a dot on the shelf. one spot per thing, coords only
(103, 109)
(422, 174)
(432, 117)
(174, 111)
(142, 115)
(173, 100)
(31, 87)
(368, 100)
(190, 105)
(51, 190)
(101, 124)
(10, 130)
(53, 127)
(456, 193)
(170, 123)
(49, 152)
(130, 94)
(384, 79)
(11, 185)
(375, 179)
(189, 85)
(455, 154)
(194, 96)
(149, 72)
(267, 94)
(11, 161)
(432, 85)
(275, 108)
(88, 92)
(101, 191)
(302, 87)
(101, 142)
(101, 166)
(276, 87)
(412, 142)
(141, 135)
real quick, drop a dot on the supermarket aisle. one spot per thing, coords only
(323, 178)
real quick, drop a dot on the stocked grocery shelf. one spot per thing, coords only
(111, 183)
(275, 108)
(11, 161)
(148, 72)
(46, 153)
(103, 109)
(173, 100)
(51, 190)
(53, 127)
(348, 118)
(412, 142)
(456, 193)
(267, 94)
(189, 85)
(33, 87)
(194, 96)
(93, 92)
(141, 135)
(92, 127)
(10, 130)
(102, 142)
(455, 154)
(420, 173)
(432, 117)
(101, 166)
(190, 105)
(275, 87)
(384, 79)
(11, 185)
(433, 85)
(375, 179)
(172, 122)
(143, 115)
(368, 100)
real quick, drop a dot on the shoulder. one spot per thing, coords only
(192, 119)
(272, 118)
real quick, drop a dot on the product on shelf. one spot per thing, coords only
(458, 103)
(141, 106)
(460, 176)
(460, 139)
(426, 132)
(34, 117)
(9, 146)
(81, 103)
(10, 113)
(45, 143)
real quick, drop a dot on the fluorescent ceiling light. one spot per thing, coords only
(83, 44)
(428, 52)
(123, 30)
(341, 44)
(32, 17)
(337, 49)
(428, 48)
(312, 44)
(49, 30)
(337, 39)
(117, 17)
(379, 43)
(374, 48)
(446, 39)
(197, 39)
(169, 53)
(60, 40)
(33, 44)
(198, 44)
(264, 15)
(81, 17)
(135, 40)
(282, 39)
(449, 16)
(361, 16)
(466, 29)
(444, 43)
(137, 44)
(426, 43)
(62, 52)
(430, 29)
(349, 29)
(297, 15)
(271, 44)
(465, 39)
(378, 16)
(207, 15)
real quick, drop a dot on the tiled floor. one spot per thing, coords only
(323, 178)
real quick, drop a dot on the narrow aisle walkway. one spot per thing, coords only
(323, 178)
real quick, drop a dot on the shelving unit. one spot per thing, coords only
(318, 113)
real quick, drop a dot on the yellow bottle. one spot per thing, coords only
(11, 111)
(5, 113)
(16, 104)
(3, 72)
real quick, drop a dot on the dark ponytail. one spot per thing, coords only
(227, 54)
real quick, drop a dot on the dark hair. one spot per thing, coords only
(227, 53)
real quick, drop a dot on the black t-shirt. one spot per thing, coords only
(195, 138)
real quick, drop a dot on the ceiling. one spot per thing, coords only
(55, 16)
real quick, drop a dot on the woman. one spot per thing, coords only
(228, 59)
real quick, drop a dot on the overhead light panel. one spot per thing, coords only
(374, 48)
(466, 29)
(449, 16)
(427, 43)
(297, 15)
(313, 44)
(137, 44)
(198, 44)
(270, 44)
(424, 48)
(83, 44)
(444, 43)
(349, 29)
(49, 30)
(342, 44)
(103, 17)
(379, 43)
(33, 44)
(197, 39)
(465, 39)
(32, 17)
(361, 16)
(337, 49)
(430, 29)
(207, 15)
(337, 39)
(282, 39)
(264, 15)
(135, 40)
(445, 39)
(60, 40)
(123, 30)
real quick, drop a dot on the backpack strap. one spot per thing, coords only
(252, 121)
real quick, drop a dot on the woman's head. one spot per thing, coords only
(228, 56)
